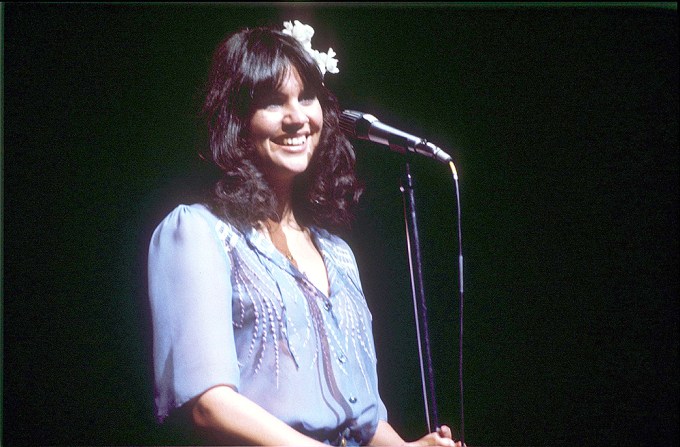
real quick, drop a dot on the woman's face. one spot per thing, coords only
(286, 128)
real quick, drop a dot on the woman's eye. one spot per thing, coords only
(273, 103)
(269, 102)
(307, 98)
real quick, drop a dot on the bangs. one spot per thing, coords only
(270, 64)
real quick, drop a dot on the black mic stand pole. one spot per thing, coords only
(420, 308)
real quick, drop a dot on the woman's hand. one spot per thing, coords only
(386, 436)
(442, 437)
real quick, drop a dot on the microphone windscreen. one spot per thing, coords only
(356, 124)
(348, 121)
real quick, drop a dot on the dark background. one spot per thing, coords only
(562, 121)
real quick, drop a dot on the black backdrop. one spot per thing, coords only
(562, 120)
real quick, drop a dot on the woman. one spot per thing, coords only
(261, 331)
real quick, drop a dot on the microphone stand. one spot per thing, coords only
(420, 308)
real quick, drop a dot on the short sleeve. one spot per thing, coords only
(190, 298)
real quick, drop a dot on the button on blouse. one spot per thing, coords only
(228, 308)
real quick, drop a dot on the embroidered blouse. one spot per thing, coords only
(230, 309)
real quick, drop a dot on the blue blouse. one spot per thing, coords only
(229, 309)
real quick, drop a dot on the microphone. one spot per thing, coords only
(367, 127)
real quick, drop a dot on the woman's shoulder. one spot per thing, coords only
(190, 215)
(190, 211)
(190, 219)
(199, 218)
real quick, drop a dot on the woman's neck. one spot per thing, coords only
(284, 199)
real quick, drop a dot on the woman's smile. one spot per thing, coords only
(292, 144)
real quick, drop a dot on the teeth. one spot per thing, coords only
(294, 141)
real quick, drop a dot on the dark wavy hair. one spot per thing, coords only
(249, 66)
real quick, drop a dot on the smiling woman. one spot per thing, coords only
(286, 130)
(261, 83)
(262, 334)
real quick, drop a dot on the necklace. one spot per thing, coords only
(278, 238)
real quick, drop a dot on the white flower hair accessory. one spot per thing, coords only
(303, 34)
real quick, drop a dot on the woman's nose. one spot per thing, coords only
(295, 116)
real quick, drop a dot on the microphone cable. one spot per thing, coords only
(454, 173)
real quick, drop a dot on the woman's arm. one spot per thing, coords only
(386, 435)
(225, 416)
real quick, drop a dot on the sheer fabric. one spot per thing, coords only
(230, 309)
